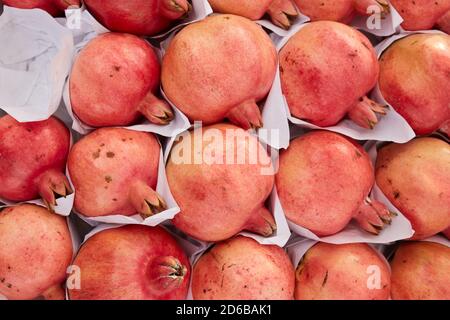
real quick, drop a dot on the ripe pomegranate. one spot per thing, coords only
(447, 233)
(342, 272)
(423, 14)
(412, 172)
(114, 81)
(217, 176)
(420, 271)
(32, 160)
(220, 68)
(242, 269)
(282, 12)
(327, 68)
(132, 263)
(341, 11)
(324, 181)
(114, 171)
(423, 100)
(140, 17)
(35, 251)
(53, 7)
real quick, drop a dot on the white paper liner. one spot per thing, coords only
(162, 188)
(35, 59)
(399, 229)
(63, 204)
(179, 124)
(75, 236)
(391, 127)
(380, 48)
(282, 235)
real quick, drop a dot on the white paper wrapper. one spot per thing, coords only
(179, 124)
(386, 27)
(162, 189)
(380, 48)
(352, 233)
(282, 235)
(391, 127)
(34, 62)
(63, 205)
(439, 239)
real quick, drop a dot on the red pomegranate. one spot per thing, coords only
(140, 17)
(53, 7)
(423, 14)
(342, 272)
(341, 11)
(114, 171)
(35, 251)
(220, 177)
(33, 159)
(424, 61)
(242, 269)
(220, 68)
(327, 68)
(420, 271)
(280, 11)
(415, 178)
(132, 263)
(324, 181)
(114, 82)
(447, 233)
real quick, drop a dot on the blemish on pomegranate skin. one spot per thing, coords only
(324, 282)
(96, 154)
(396, 194)
(117, 68)
(108, 179)
(110, 154)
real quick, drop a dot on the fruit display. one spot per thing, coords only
(225, 150)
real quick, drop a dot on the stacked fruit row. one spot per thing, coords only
(226, 202)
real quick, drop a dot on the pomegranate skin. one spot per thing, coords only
(340, 11)
(114, 80)
(110, 167)
(421, 14)
(132, 263)
(341, 272)
(414, 80)
(218, 201)
(242, 269)
(409, 173)
(326, 70)
(219, 68)
(420, 271)
(447, 233)
(35, 252)
(28, 153)
(322, 181)
(139, 17)
(53, 7)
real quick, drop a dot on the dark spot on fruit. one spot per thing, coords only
(396, 194)
(114, 199)
(108, 179)
(102, 145)
(96, 154)
(110, 154)
(117, 68)
(9, 285)
(2, 280)
(324, 282)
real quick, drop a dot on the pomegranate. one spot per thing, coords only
(423, 14)
(414, 177)
(282, 12)
(32, 160)
(341, 11)
(219, 68)
(35, 251)
(114, 82)
(342, 272)
(242, 269)
(327, 68)
(423, 100)
(140, 17)
(445, 128)
(114, 171)
(132, 263)
(218, 177)
(324, 181)
(420, 271)
(447, 233)
(53, 7)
